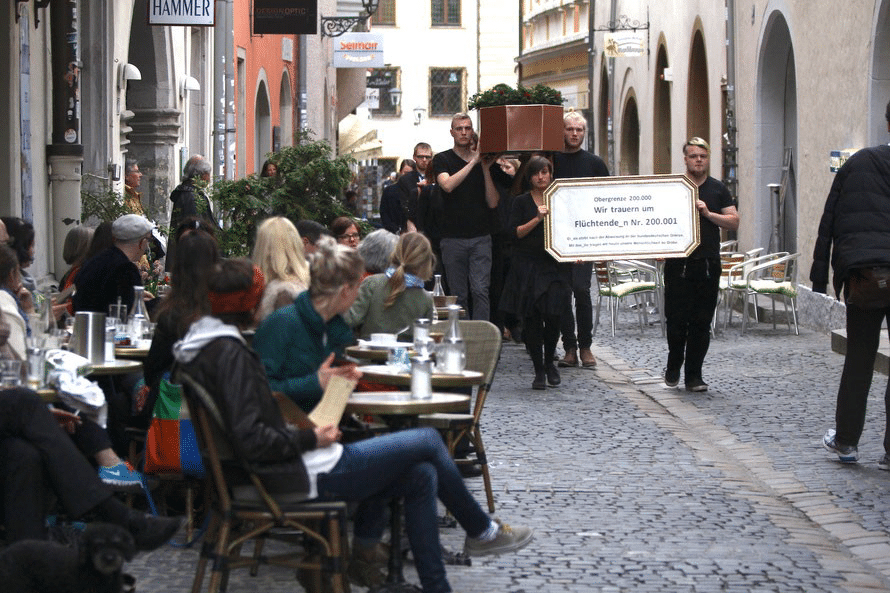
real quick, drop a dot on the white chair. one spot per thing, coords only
(774, 278)
(737, 284)
(614, 289)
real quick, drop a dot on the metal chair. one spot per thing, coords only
(774, 278)
(483, 344)
(737, 284)
(614, 289)
(727, 262)
(249, 513)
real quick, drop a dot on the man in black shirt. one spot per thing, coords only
(468, 194)
(576, 162)
(692, 284)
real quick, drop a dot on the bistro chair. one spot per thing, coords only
(774, 278)
(249, 513)
(737, 291)
(483, 344)
(611, 287)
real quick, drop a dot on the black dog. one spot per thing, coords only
(94, 566)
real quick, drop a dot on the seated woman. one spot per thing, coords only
(391, 301)
(279, 255)
(185, 302)
(298, 343)
(376, 250)
(74, 252)
(310, 463)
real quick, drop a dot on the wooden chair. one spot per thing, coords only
(249, 513)
(483, 343)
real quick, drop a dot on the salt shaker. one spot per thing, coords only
(421, 378)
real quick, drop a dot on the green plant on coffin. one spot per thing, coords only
(504, 94)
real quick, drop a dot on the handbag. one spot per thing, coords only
(870, 287)
(171, 446)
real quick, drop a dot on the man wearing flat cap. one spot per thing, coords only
(112, 274)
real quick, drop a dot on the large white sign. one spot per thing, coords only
(606, 218)
(193, 13)
(358, 50)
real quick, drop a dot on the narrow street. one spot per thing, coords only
(632, 486)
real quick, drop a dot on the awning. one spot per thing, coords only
(358, 138)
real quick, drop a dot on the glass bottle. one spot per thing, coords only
(438, 291)
(453, 331)
(138, 313)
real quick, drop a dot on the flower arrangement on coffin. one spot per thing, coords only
(520, 119)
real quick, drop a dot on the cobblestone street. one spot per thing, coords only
(632, 486)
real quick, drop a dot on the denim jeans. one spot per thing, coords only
(414, 465)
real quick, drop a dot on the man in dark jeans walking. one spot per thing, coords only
(691, 284)
(855, 223)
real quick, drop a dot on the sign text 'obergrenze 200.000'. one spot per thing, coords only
(604, 218)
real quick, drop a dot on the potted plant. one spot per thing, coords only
(520, 119)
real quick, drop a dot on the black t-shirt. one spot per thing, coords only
(715, 195)
(465, 213)
(571, 165)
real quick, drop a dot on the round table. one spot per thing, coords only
(115, 367)
(390, 375)
(365, 353)
(399, 403)
(131, 352)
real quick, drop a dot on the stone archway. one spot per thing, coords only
(262, 130)
(698, 104)
(879, 93)
(661, 116)
(286, 110)
(156, 123)
(630, 138)
(602, 131)
(776, 114)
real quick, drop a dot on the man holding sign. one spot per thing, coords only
(691, 284)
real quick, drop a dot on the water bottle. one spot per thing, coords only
(138, 313)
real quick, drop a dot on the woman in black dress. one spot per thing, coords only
(536, 289)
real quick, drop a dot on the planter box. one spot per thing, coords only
(521, 128)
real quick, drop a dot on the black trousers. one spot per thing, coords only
(863, 335)
(37, 459)
(582, 273)
(540, 334)
(691, 287)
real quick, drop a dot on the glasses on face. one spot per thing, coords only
(349, 237)
(422, 157)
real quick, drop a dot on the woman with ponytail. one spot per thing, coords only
(391, 301)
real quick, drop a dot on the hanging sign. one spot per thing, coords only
(184, 13)
(358, 50)
(624, 44)
(604, 218)
(285, 17)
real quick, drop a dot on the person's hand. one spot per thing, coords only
(59, 309)
(25, 298)
(68, 421)
(489, 159)
(702, 207)
(327, 370)
(543, 211)
(326, 435)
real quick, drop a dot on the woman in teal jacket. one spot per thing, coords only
(298, 343)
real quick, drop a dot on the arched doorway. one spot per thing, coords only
(286, 110)
(630, 138)
(880, 76)
(157, 115)
(775, 218)
(602, 131)
(661, 117)
(262, 131)
(698, 122)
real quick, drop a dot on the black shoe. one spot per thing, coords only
(553, 375)
(671, 378)
(696, 385)
(469, 471)
(150, 532)
(540, 381)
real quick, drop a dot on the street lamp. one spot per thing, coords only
(395, 97)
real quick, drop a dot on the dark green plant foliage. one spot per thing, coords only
(504, 94)
(308, 185)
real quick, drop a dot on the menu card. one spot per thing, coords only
(328, 411)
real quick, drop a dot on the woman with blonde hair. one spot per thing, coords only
(279, 254)
(391, 301)
(298, 342)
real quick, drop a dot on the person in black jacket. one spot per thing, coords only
(856, 223)
(190, 200)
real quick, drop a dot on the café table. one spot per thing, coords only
(113, 367)
(393, 375)
(368, 353)
(132, 352)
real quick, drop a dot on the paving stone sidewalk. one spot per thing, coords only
(633, 486)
